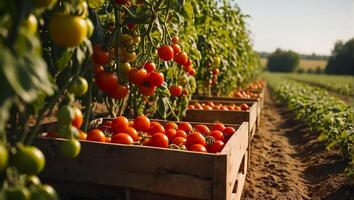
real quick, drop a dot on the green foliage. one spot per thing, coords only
(342, 59)
(283, 61)
(340, 84)
(224, 43)
(322, 112)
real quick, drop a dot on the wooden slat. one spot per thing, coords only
(145, 168)
(235, 151)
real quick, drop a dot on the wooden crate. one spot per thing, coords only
(226, 116)
(259, 100)
(141, 172)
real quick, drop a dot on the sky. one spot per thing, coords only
(304, 26)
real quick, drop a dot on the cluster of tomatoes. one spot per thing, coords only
(245, 94)
(256, 85)
(174, 52)
(29, 161)
(217, 106)
(108, 81)
(142, 131)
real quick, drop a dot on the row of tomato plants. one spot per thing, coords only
(329, 116)
(340, 84)
(135, 57)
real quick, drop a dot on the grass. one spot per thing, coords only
(304, 63)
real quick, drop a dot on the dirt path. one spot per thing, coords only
(287, 161)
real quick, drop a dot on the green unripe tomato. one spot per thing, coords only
(65, 115)
(70, 148)
(4, 157)
(90, 28)
(17, 193)
(78, 87)
(124, 69)
(33, 180)
(44, 192)
(28, 160)
(31, 24)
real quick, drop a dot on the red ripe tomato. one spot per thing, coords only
(195, 138)
(215, 71)
(181, 133)
(191, 107)
(142, 123)
(179, 141)
(82, 135)
(189, 62)
(202, 129)
(98, 70)
(107, 123)
(156, 78)
(138, 76)
(175, 39)
(166, 52)
(218, 135)
(206, 107)
(198, 148)
(217, 146)
(146, 89)
(96, 135)
(131, 25)
(171, 125)
(119, 92)
(176, 90)
(78, 118)
(133, 133)
(191, 72)
(122, 138)
(185, 126)
(120, 124)
(159, 140)
(181, 58)
(176, 49)
(187, 68)
(100, 56)
(244, 106)
(106, 81)
(218, 126)
(229, 131)
(156, 127)
(210, 103)
(171, 133)
(150, 67)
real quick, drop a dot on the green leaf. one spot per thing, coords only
(163, 105)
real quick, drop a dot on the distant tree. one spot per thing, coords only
(318, 70)
(300, 70)
(283, 61)
(310, 71)
(342, 59)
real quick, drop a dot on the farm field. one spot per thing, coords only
(339, 84)
(289, 162)
(304, 63)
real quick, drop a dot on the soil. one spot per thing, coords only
(288, 162)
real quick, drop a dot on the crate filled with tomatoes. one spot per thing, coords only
(254, 92)
(233, 112)
(161, 159)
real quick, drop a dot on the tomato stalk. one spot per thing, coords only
(87, 103)
(27, 139)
